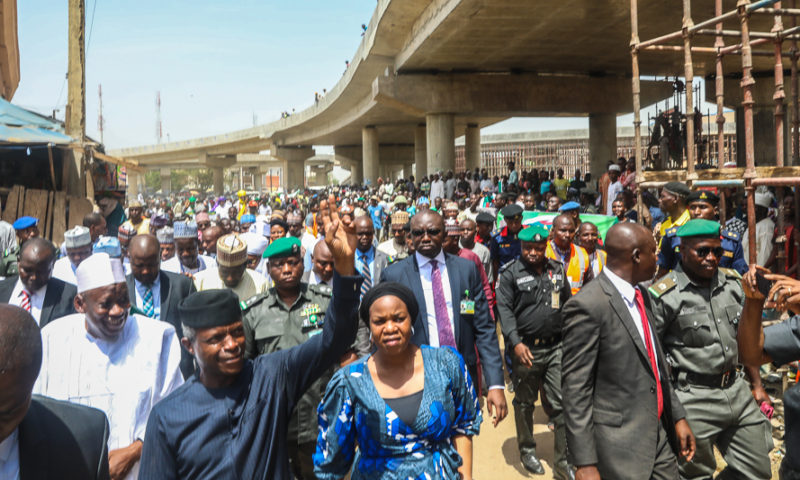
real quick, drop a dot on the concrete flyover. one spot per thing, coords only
(428, 71)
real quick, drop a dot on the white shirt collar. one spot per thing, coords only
(422, 260)
(625, 289)
(7, 446)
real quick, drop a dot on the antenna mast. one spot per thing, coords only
(158, 117)
(100, 120)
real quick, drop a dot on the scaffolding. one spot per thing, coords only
(750, 176)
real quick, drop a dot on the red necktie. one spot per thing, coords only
(26, 301)
(651, 353)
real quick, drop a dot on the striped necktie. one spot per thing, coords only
(148, 307)
(367, 276)
(26, 301)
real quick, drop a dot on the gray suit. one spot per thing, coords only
(362, 345)
(609, 391)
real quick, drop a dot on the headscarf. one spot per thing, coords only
(388, 288)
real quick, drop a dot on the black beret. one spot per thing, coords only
(210, 308)
(511, 210)
(703, 196)
(484, 217)
(677, 188)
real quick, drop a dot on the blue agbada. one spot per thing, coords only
(353, 413)
(239, 432)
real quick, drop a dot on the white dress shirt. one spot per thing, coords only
(425, 272)
(628, 293)
(765, 229)
(37, 299)
(9, 457)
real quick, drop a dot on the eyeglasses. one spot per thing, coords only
(430, 231)
(703, 252)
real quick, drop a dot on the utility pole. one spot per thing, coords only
(75, 178)
(100, 119)
(159, 131)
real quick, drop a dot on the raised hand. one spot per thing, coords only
(340, 237)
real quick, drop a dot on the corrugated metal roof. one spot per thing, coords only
(21, 126)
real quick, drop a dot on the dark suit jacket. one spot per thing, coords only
(471, 331)
(62, 440)
(174, 288)
(58, 299)
(608, 386)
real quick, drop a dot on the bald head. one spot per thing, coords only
(20, 345)
(145, 255)
(631, 252)
(322, 261)
(143, 246)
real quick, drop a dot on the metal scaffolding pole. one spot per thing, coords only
(637, 121)
(688, 74)
(747, 107)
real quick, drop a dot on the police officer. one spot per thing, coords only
(288, 314)
(25, 227)
(696, 309)
(703, 204)
(504, 246)
(530, 294)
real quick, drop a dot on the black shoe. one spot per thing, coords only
(561, 474)
(531, 463)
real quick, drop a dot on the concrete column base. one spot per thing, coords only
(166, 181)
(440, 142)
(420, 152)
(472, 147)
(219, 177)
(370, 154)
(602, 142)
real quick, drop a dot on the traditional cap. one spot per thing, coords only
(703, 196)
(451, 206)
(277, 215)
(699, 228)
(534, 233)
(25, 222)
(159, 221)
(125, 233)
(135, 204)
(248, 218)
(677, 188)
(99, 270)
(375, 197)
(511, 210)
(423, 201)
(166, 236)
(252, 203)
(241, 193)
(201, 216)
(762, 200)
(400, 218)
(209, 309)
(231, 250)
(77, 237)
(256, 244)
(259, 228)
(282, 247)
(614, 168)
(484, 217)
(185, 230)
(569, 206)
(452, 228)
(109, 246)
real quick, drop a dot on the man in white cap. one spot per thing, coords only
(256, 244)
(765, 228)
(106, 358)
(231, 271)
(78, 242)
(187, 249)
(166, 240)
(135, 220)
(614, 187)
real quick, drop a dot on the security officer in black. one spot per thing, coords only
(504, 246)
(704, 204)
(530, 294)
(287, 315)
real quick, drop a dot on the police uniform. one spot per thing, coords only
(504, 245)
(8, 262)
(529, 306)
(697, 326)
(270, 326)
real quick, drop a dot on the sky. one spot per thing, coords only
(218, 65)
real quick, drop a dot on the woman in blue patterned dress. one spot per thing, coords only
(411, 411)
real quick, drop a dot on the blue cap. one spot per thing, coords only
(109, 245)
(25, 222)
(569, 206)
(247, 218)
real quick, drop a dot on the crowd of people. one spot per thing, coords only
(367, 330)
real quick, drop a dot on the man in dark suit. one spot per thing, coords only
(34, 290)
(157, 293)
(454, 311)
(623, 420)
(45, 438)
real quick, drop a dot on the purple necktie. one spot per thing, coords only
(446, 337)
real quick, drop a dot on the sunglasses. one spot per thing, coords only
(430, 231)
(703, 252)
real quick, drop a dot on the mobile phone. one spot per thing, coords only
(763, 284)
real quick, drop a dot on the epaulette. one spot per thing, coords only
(254, 300)
(729, 272)
(730, 234)
(662, 286)
(321, 289)
(506, 266)
(671, 231)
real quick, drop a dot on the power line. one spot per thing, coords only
(91, 26)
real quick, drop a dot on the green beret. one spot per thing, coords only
(282, 247)
(699, 228)
(703, 196)
(209, 309)
(534, 233)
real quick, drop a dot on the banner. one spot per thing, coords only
(602, 222)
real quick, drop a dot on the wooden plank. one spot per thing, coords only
(36, 206)
(59, 217)
(78, 208)
(47, 232)
(12, 203)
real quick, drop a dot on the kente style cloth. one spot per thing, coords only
(353, 413)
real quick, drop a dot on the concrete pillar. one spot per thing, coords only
(440, 142)
(370, 154)
(294, 168)
(472, 146)
(133, 184)
(356, 173)
(408, 170)
(602, 142)
(166, 181)
(420, 151)
(219, 176)
(257, 183)
(763, 136)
